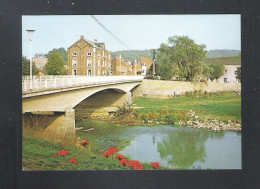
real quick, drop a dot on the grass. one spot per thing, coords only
(39, 154)
(222, 106)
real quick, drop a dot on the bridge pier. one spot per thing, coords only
(62, 128)
(129, 98)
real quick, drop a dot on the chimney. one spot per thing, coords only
(95, 40)
(82, 37)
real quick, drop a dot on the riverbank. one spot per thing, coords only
(39, 154)
(212, 111)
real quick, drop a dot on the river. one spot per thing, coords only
(172, 146)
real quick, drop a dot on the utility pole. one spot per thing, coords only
(120, 64)
(154, 62)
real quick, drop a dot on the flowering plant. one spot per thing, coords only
(84, 143)
(119, 157)
(155, 165)
(123, 162)
(138, 167)
(107, 154)
(72, 160)
(63, 153)
(110, 152)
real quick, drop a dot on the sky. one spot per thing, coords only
(138, 32)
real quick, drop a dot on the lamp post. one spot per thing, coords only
(30, 32)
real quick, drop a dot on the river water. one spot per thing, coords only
(172, 146)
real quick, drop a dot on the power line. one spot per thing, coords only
(96, 20)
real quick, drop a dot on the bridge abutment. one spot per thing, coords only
(62, 128)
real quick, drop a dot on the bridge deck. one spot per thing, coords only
(50, 83)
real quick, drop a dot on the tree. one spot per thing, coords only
(55, 64)
(183, 55)
(207, 71)
(238, 73)
(26, 67)
(62, 52)
(218, 71)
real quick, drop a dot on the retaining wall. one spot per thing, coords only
(167, 89)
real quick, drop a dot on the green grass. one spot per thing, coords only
(218, 106)
(39, 154)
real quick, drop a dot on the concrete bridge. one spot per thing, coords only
(64, 97)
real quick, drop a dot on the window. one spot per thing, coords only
(103, 63)
(226, 71)
(74, 62)
(74, 72)
(74, 54)
(98, 55)
(89, 62)
(111, 66)
(89, 54)
(225, 80)
(89, 72)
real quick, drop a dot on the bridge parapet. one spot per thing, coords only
(42, 83)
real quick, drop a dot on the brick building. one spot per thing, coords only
(90, 58)
(138, 67)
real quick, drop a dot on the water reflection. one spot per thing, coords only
(173, 147)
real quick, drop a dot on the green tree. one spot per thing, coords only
(218, 71)
(238, 73)
(184, 55)
(62, 52)
(55, 64)
(26, 67)
(207, 71)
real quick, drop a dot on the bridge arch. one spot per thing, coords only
(62, 100)
(101, 102)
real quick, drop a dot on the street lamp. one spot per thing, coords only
(30, 32)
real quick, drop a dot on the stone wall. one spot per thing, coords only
(166, 89)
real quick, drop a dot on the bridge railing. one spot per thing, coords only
(41, 83)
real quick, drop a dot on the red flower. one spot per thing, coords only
(112, 150)
(107, 154)
(155, 165)
(72, 160)
(119, 157)
(130, 163)
(138, 167)
(123, 162)
(63, 153)
(84, 143)
(55, 155)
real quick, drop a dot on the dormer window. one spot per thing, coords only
(74, 54)
(89, 54)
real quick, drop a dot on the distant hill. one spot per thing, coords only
(235, 60)
(136, 54)
(222, 53)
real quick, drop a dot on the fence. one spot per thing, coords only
(41, 83)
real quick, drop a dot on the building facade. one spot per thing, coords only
(229, 75)
(121, 66)
(89, 58)
(231, 65)
(40, 61)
